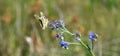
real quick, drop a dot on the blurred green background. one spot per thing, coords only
(17, 22)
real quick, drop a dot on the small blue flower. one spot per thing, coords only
(59, 24)
(92, 36)
(59, 35)
(64, 44)
(77, 36)
(52, 26)
(62, 22)
(57, 21)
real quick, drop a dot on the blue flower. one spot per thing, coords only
(57, 21)
(52, 26)
(62, 22)
(59, 35)
(77, 36)
(92, 36)
(59, 24)
(64, 44)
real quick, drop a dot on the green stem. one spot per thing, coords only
(84, 45)
(92, 53)
(92, 44)
(67, 31)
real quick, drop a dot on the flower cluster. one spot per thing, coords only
(59, 25)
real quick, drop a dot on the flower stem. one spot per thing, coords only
(92, 53)
(84, 45)
(92, 44)
(67, 31)
(73, 43)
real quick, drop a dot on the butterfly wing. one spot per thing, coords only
(42, 20)
(39, 19)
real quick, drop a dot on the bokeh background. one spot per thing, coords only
(17, 23)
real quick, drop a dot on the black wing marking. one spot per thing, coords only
(41, 23)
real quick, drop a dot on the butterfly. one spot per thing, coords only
(42, 20)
